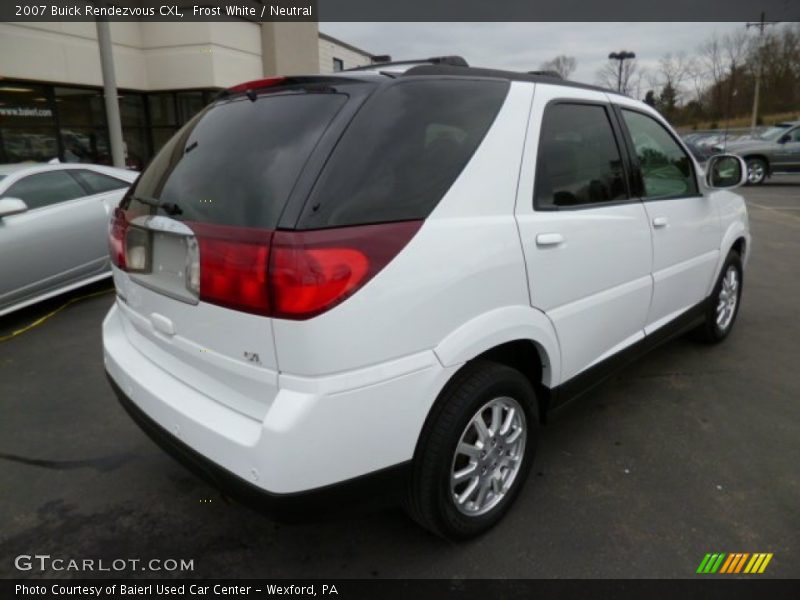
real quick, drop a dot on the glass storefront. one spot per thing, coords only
(81, 125)
(41, 122)
(27, 123)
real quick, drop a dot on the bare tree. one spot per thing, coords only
(561, 64)
(712, 72)
(608, 74)
(635, 83)
(735, 48)
(711, 61)
(673, 71)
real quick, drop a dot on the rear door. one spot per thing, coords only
(684, 222)
(198, 225)
(61, 236)
(586, 239)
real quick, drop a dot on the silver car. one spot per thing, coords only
(772, 152)
(54, 228)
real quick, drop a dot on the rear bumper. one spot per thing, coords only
(370, 491)
(317, 432)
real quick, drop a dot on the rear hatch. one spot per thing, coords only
(280, 201)
(218, 190)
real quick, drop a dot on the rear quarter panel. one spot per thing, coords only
(466, 260)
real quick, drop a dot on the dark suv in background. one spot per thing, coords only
(772, 152)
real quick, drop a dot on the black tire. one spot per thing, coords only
(710, 331)
(757, 170)
(429, 499)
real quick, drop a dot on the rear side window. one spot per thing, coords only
(45, 189)
(236, 162)
(579, 161)
(402, 152)
(98, 183)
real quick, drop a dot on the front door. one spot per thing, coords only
(61, 239)
(684, 223)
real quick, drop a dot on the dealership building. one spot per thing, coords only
(51, 98)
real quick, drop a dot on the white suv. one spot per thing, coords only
(394, 275)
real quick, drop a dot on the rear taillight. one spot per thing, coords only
(284, 274)
(117, 228)
(293, 274)
(233, 266)
(128, 245)
(313, 271)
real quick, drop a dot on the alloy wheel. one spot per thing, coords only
(755, 172)
(728, 298)
(488, 456)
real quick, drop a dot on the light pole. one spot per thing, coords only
(762, 24)
(621, 56)
(110, 93)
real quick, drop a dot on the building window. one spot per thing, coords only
(27, 123)
(338, 65)
(134, 129)
(40, 122)
(82, 125)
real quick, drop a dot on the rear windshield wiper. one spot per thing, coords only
(168, 207)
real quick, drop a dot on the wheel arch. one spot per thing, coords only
(740, 246)
(522, 338)
(737, 238)
(522, 326)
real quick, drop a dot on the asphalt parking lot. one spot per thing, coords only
(694, 449)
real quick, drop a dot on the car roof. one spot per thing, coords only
(9, 169)
(378, 72)
(441, 66)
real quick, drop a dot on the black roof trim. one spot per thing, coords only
(447, 70)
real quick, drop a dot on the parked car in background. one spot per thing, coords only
(701, 153)
(772, 152)
(53, 228)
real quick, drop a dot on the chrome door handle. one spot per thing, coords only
(660, 222)
(549, 239)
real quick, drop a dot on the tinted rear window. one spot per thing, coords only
(403, 151)
(236, 162)
(579, 162)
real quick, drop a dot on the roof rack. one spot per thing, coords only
(538, 77)
(452, 61)
(553, 74)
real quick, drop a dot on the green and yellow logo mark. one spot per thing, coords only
(734, 563)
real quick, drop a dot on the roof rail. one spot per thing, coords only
(453, 61)
(547, 78)
(553, 74)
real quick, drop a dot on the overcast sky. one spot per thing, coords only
(524, 46)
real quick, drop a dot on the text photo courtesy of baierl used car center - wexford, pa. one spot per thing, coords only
(442, 299)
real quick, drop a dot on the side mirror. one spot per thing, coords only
(784, 138)
(725, 171)
(12, 206)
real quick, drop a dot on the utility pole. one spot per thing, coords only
(621, 57)
(110, 93)
(762, 25)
